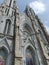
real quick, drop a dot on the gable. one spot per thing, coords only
(4, 43)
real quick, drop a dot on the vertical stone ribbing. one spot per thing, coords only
(18, 55)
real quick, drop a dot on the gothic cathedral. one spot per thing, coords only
(23, 38)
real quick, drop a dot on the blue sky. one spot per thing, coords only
(41, 8)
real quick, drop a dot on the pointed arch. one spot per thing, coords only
(30, 55)
(3, 55)
(4, 43)
(4, 46)
(29, 45)
(4, 51)
(26, 24)
(28, 27)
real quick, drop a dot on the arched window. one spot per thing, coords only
(7, 26)
(3, 56)
(30, 56)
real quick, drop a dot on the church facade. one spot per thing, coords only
(23, 38)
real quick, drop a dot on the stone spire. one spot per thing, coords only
(8, 14)
(10, 3)
(10, 7)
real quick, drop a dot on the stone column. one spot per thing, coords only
(18, 55)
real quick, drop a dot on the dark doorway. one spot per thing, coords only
(30, 56)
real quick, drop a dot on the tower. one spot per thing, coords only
(32, 41)
(23, 38)
(7, 30)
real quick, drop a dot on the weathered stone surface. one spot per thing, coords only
(22, 37)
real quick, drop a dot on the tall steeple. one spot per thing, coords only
(7, 30)
(9, 13)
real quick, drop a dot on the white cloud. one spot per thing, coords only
(38, 7)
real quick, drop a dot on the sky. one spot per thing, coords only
(40, 7)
